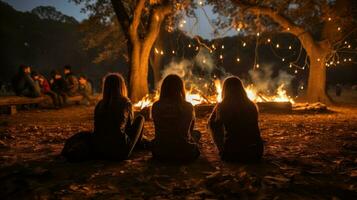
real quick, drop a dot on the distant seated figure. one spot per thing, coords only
(59, 86)
(234, 124)
(24, 85)
(46, 88)
(116, 132)
(174, 119)
(71, 80)
(85, 89)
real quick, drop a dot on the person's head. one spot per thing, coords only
(24, 69)
(82, 79)
(114, 88)
(67, 69)
(55, 74)
(35, 75)
(233, 90)
(172, 88)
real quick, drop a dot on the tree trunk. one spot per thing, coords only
(316, 87)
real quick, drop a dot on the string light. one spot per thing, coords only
(288, 29)
(173, 52)
(329, 19)
(244, 44)
(213, 46)
(339, 28)
(162, 52)
(296, 71)
(257, 65)
(197, 48)
(338, 62)
(258, 34)
(201, 3)
(344, 60)
(349, 46)
(283, 59)
(268, 40)
(277, 45)
(222, 46)
(238, 59)
(350, 59)
(290, 66)
(221, 56)
(238, 29)
(318, 60)
(204, 61)
(156, 51)
(290, 47)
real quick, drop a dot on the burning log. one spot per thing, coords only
(275, 107)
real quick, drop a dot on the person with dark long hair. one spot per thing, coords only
(174, 118)
(116, 132)
(234, 124)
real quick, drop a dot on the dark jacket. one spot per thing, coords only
(24, 85)
(111, 125)
(72, 83)
(59, 85)
(236, 131)
(173, 126)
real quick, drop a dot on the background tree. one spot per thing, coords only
(140, 22)
(321, 27)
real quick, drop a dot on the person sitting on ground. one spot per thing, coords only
(85, 89)
(174, 118)
(116, 132)
(24, 85)
(46, 88)
(234, 124)
(71, 80)
(59, 86)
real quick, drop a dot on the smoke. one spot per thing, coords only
(264, 81)
(204, 60)
(182, 68)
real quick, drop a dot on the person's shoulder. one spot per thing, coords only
(187, 105)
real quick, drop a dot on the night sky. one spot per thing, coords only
(202, 28)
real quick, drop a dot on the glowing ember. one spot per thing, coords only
(196, 98)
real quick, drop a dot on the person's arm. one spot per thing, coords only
(216, 127)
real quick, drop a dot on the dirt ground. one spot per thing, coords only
(307, 156)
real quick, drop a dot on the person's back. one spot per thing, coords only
(24, 85)
(174, 122)
(110, 127)
(115, 131)
(235, 130)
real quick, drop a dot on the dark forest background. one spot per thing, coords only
(47, 39)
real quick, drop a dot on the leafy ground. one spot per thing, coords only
(307, 156)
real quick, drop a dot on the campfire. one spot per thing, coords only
(197, 97)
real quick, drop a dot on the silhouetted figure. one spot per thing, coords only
(85, 89)
(115, 131)
(71, 80)
(59, 86)
(174, 120)
(234, 124)
(46, 88)
(338, 89)
(24, 85)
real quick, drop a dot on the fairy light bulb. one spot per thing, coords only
(156, 51)
(173, 52)
(283, 59)
(238, 59)
(339, 28)
(258, 34)
(290, 47)
(329, 19)
(277, 45)
(244, 44)
(222, 46)
(318, 60)
(162, 52)
(268, 40)
(221, 56)
(257, 66)
(189, 45)
(290, 66)
(238, 29)
(296, 71)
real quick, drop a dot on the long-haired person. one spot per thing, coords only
(115, 131)
(174, 117)
(234, 124)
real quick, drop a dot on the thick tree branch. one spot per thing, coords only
(122, 16)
